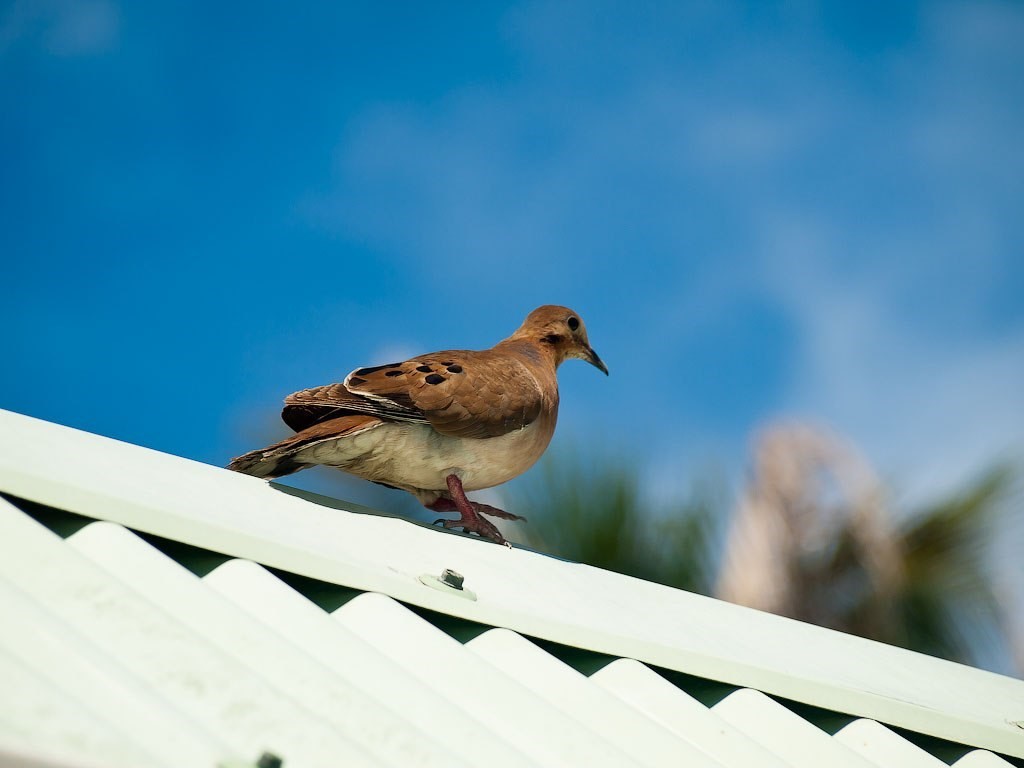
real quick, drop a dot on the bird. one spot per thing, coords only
(440, 424)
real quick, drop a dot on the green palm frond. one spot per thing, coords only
(591, 508)
(946, 548)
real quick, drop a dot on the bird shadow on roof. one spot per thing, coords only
(359, 509)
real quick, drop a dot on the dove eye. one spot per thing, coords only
(574, 323)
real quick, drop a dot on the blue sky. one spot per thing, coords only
(805, 210)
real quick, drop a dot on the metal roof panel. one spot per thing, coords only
(981, 758)
(283, 610)
(502, 703)
(161, 651)
(644, 739)
(345, 710)
(581, 606)
(881, 746)
(786, 734)
(121, 650)
(652, 694)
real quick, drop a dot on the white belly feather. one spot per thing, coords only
(416, 457)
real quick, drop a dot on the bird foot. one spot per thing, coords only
(470, 518)
(487, 509)
(447, 505)
(485, 529)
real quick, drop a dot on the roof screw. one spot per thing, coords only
(451, 578)
(269, 760)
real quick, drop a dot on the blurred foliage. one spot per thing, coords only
(948, 602)
(591, 507)
(941, 602)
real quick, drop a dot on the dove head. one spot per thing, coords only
(562, 331)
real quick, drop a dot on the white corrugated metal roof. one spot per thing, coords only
(314, 638)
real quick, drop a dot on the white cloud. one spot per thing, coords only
(932, 405)
(871, 198)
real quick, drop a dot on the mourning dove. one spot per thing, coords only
(440, 424)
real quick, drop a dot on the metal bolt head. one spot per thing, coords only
(451, 578)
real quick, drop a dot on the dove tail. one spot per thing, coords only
(266, 463)
(282, 458)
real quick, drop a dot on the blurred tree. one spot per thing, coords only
(591, 508)
(948, 602)
(813, 535)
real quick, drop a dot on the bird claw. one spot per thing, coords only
(470, 520)
(480, 527)
(487, 509)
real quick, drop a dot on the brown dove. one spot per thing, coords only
(440, 424)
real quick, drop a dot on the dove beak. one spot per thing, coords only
(596, 361)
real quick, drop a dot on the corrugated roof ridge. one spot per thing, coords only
(534, 595)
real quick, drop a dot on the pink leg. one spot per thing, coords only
(470, 520)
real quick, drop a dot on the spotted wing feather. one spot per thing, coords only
(313, 406)
(460, 393)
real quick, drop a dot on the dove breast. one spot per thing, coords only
(416, 457)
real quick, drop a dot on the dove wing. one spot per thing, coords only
(459, 393)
